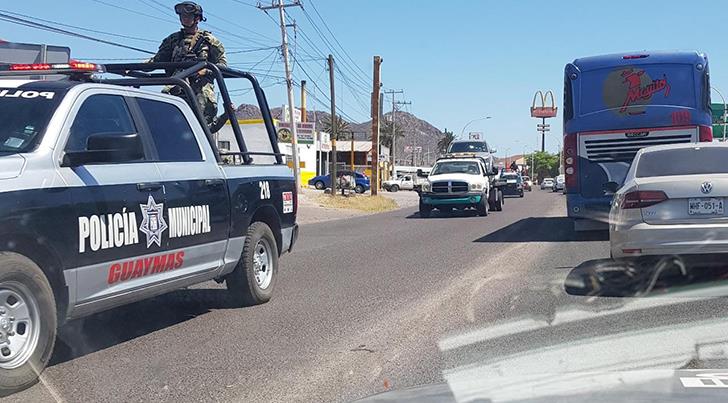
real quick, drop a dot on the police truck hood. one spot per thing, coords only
(454, 177)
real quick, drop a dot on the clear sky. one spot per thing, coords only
(455, 60)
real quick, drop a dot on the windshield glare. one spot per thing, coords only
(23, 121)
(456, 167)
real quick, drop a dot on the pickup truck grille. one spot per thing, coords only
(449, 187)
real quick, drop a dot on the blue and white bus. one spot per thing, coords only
(616, 104)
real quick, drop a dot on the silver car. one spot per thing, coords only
(547, 183)
(672, 203)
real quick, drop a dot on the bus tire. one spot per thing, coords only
(22, 282)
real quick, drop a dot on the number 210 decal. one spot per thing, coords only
(264, 190)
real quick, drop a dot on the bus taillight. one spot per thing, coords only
(705, 133)
(571, 161)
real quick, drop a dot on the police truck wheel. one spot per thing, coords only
(253, 280)
(499, 202)
(425, 210)
(482, 207)
(27, 322)
(393, 188)
(319, 185)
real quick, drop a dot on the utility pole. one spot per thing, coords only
(289, 83)
(304, 118)
(375, 125)
(394, 131)
(333, 127)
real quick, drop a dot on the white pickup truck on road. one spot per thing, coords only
(405, 182)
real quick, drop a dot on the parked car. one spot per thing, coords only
(514, 184)
(322, 182)
(527, 183)
(559, 183)
(672, 209)
(547, 183)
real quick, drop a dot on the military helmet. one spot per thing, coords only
(189, 7)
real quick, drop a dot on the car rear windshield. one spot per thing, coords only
(683, 161)
(24, 116)
(468, 146)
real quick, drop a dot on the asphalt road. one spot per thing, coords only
(364, 304)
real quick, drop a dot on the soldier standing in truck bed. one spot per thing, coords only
(193, 44)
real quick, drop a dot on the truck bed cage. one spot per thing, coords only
(176, 73)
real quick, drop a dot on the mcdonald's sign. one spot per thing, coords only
(543, 111)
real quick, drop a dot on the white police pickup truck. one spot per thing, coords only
(110, 194)
(460, 182)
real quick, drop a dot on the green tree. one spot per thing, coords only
(546, 165)
(445, 141)
(343, 130)
(385, 133)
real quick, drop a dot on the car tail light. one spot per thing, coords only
(705, 133)
(642, 199)
(571, 162)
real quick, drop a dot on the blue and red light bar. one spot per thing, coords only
(73, 66)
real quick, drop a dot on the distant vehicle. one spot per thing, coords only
(460, 183)
(322, 182)
(479, 148)
(514, 184)
(559, 183)
(672, 209)
(527, 183)
(406, 182)
(547, 183)
(616, 104)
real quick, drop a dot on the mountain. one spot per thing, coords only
(417, 131)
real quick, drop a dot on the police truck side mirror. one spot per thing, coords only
(494, 170)
(107, 148)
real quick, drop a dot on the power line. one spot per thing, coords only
(37, 25)
(245, 3)
(134, 11)
(341, 112)
(333, 49)
(82, 28)
(334, 37)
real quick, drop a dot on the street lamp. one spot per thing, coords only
(462, 132)
(725, 111)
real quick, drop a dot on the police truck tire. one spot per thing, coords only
(27, 307)
(319, 185)
(499, 201)
(482, 207)
(253, 280)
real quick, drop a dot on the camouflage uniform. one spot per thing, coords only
(179, 47)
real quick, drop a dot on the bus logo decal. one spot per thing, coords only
(628, 90)
(636, 91)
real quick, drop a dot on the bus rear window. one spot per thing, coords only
(24, 118)
(629, 90)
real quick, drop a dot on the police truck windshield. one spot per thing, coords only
(24, 116)
(456, 167)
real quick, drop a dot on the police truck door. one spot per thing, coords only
(198, 209)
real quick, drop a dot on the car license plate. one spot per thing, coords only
(705, 206)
